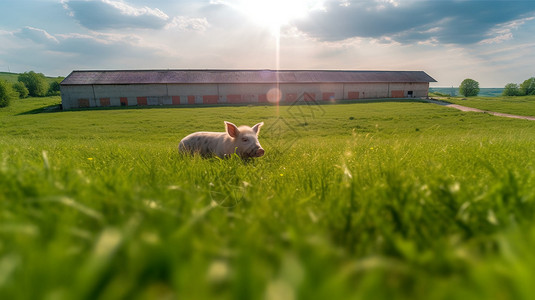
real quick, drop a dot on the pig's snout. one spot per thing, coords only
(259, 152)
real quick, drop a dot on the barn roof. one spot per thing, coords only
(240, 76)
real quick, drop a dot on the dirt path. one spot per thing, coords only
(465, 108)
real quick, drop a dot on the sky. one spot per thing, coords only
(491, 42)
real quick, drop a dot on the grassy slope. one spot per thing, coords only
(9, 77)
(524, 106)
(376, 200)
(13, 77)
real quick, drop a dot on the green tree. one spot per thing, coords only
(528, 86)
(35, 83)
(20, 88)
(469, 87)
(511, 89)
(7, 94)
(53, 89)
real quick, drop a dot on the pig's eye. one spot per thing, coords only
(244, 139)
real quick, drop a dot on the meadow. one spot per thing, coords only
(379, 200)
(519, 105)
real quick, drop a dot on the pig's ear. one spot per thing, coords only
(256, 128)
(232, 130)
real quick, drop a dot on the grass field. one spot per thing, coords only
(523, 106)
(9, 77)
(13, 77)
(386, 200)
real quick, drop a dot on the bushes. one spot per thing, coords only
(526, 88)
(6, 93)
(511, 89)
(35, 83)
(53, 89)
(20, 88)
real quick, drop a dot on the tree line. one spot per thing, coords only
(29, 84)
(526, 88)
(470, 87)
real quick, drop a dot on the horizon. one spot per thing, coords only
(430, 84)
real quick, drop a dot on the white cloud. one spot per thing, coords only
(109, 14)
(504, 32)
(35, 49)
(187, 23)
(37, 35)
(113, 15)
(129, 10)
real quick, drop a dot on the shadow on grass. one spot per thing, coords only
(58, 108)
(44, 109)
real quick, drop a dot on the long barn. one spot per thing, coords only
(82, 89)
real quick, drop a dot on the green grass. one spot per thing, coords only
(351, 201)
(9, 77)
(524, 106)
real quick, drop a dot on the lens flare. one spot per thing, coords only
(274, 95)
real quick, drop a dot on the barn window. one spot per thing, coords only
(262, 98)
(124, 101)
(209, 99)
(176, 100)
(352, 95)
(398, 94)
(191, 99)
(410, 94)
(328, 96)
(234, 98)
(83, 102)
(104, 101)
(141, 100)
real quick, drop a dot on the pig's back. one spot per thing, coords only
(204, 143)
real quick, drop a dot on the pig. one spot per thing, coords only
(241, 140)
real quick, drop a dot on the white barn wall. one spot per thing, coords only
(336, 88)
(384, 90)
(131, 92)
(182, 94)
(366, 91)
(253, 92)
(292, 91)
(79, 95)
(194, 91)
(71, 94)
(250, 93)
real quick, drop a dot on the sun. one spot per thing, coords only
(276, 13)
